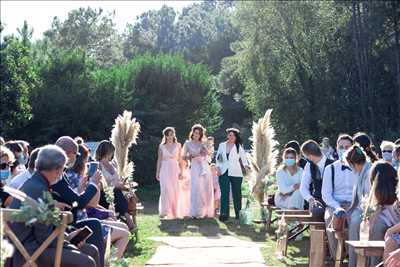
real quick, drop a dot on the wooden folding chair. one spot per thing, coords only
(66, 218)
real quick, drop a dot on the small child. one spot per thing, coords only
(217, 191)
(210, 148)
(204, 163)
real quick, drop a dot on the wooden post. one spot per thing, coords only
(317, 247)
(60, 241)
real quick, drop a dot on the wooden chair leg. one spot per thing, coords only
(268, 219)
(317, 248)
(60, 242)
(19, 245)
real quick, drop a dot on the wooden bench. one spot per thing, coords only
(365, 249)
(304, 218)
(66, 218)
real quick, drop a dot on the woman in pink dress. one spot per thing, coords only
(202, 193)
(168, 174)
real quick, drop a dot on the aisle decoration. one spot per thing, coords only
(263, 156)
(123, 135)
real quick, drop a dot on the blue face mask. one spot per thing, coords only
(341, 153)
(387, 156)
(290, 162)
(22, 159)
(4, 174)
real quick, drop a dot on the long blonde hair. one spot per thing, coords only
(165, 133)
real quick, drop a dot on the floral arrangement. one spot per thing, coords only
(42, 211)
(123, 135)
(109, 193)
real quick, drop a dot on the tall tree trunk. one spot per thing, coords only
(368, 89)
(395, 6)
(357, 52)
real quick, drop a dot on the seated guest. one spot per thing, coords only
(384, 179)
(391, 253)
(296, 146)
(21, 178)
(104, 155)
(337, 187)
(62, 192)
(311, 181)
(357, 160)
(18, 152)
(288, 178)
(326, 148)
(396, 157)
(50, 165)
(25, 147)
(79, 179)
(364, 141)
(6, 162)
(387, 151)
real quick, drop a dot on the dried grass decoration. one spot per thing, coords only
(123, 135)
(263, 155)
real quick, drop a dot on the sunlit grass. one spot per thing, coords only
(150, 226)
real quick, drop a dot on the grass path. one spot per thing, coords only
(151, 226)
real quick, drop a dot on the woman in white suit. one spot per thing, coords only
(230, 160)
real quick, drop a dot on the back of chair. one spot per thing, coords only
(66, 218)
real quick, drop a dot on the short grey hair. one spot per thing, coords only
(50, 157)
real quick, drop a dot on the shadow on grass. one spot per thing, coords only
(205, 227)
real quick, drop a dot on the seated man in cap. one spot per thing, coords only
(64, 193)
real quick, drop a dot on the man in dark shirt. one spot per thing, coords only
(64, 193)
(49, 167)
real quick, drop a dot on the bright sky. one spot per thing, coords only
(40, 14)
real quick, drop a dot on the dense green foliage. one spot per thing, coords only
(324, 67)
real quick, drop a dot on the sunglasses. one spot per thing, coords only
(387, 151)
(4, 166)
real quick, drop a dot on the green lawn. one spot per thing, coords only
(150, 226)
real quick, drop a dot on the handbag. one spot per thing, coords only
(244, 170)
(318, 211)
(246, 215)
(133, 200)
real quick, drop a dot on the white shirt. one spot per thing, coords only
(232, 165)
(306, 178)
(343, 188)
(20, 179)
(286, 181)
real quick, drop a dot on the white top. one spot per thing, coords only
(306, 178)
(286, 181)
(344, 179)
(20, 179)
(232, 165)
